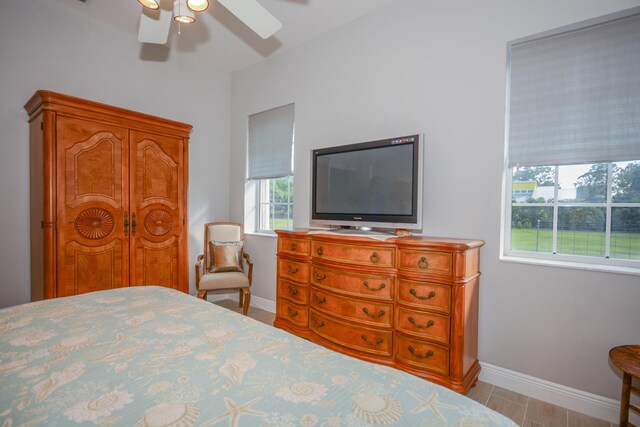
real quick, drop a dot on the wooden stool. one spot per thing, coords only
(627, 359)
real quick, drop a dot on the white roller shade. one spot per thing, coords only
(574, 96)
(270, 143)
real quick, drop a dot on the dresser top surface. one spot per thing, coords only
(414, 240)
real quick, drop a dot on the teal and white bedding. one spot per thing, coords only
(152, 356)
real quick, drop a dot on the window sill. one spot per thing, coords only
(261, 234)
(587, 266)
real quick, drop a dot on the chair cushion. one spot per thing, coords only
(226, 280)
(225, 256)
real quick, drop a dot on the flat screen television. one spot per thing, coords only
(375, 184)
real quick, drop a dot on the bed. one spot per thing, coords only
(152, 356)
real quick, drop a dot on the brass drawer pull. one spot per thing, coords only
(318, 277)
(318, 324)
(427, 355)
(429, 324)
(319, 300)
(293, 246)
(415, 294)
(374, 258)
(366, 285)
(423, 263)
(126, 223)
(319, 251)
(292, 291)
(365, 310)
(292, 270)
(372, 343)
(292, 313)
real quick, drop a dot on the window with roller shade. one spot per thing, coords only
(270, 165)
(573, 144)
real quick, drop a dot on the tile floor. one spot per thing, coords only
(530, 412)
(524, 410)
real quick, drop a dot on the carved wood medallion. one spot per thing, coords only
(94, 223)
(158, 222)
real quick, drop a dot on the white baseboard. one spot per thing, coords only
(211, 297)
(263, 303)
(586, 403)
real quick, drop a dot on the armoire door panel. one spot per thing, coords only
(94, 167)
(157, 171)
(93, 182)
(157, 263)
(158, 195)
(88, 269)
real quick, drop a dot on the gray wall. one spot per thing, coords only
(439, 68)
(46, 45)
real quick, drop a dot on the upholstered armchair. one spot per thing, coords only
(222, 266)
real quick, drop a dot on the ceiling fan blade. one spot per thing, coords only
(155, 24)
(254, 16)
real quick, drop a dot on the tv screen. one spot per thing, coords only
(373, 183)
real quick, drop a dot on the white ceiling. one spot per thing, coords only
(220, 40)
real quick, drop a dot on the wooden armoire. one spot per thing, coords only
(108, 197)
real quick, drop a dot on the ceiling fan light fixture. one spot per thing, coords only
(185, 19)
(151, 4)
(182, 14)
(198, 5)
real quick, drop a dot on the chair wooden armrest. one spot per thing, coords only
(248, 259)
(198, 269)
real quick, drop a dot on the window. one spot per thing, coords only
(270, 167)
(573, 144)
(276, 203)
(590, 210)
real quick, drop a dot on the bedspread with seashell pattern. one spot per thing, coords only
(152, 356)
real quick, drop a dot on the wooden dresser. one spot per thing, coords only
(108, 197)
(409, 302)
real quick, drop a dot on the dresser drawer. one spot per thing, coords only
(429, 262)
(376, 314)
(423, 324)
(372, 286)
(422, 355)
(351, 336)
(432, 296)
(298, 271)
(294, 313)
(295, 292)
(293, 246)
(354, 254)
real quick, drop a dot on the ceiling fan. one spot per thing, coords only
(156, 17)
